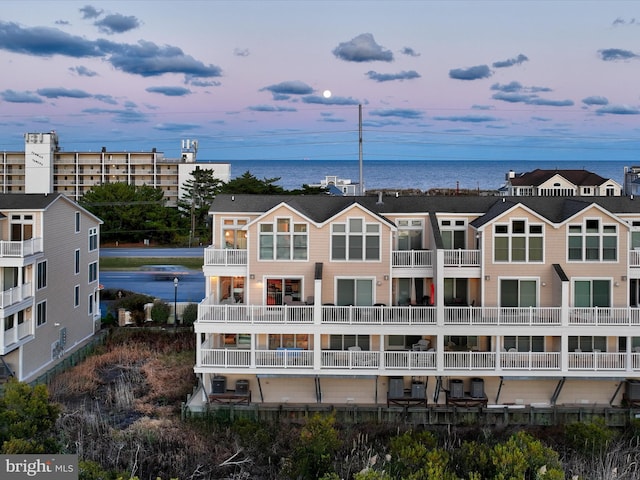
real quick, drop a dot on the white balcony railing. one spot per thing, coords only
(14, 295)
(502, 316)
(412, 258)
(253, 314)
(634, 258)
(20, 249)
(461, 258)
(390, 361)
(224, 257)
(415, 315)
(604, 316)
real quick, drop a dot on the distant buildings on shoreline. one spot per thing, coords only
(44, 167)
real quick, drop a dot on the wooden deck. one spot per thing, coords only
(230, 397)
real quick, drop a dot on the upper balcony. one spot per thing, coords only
(15, 336)
(210, 313)
(225, 261)
(20, 249)
(14, 295)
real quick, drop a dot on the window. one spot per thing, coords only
(592, 293)
(279, 290)
(93, 272)
(409, 234)
(288, 340)
(41, 274)
(524, 344)
(90, 303)
(41, 313)
(592, 241)
(93, 239)
(8, 322)
(587, 344)
(518, 293)
(455, 291)
(286, 241)
(518, 241)
(460, 342)
(343, 342)
(21, 227)
(234, 236)
(354, 291)
(76, 295)
(77, 221)
(76, 264)
(453, 233)
(355, 240)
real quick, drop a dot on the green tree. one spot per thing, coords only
(130, 213)
(314, 453)
(199, 192)
(27, 419)
(247, 183)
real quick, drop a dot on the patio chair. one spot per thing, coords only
(421, 346)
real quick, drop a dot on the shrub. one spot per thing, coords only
(190, 314)
(160, 311)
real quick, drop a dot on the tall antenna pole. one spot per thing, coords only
(361, 184)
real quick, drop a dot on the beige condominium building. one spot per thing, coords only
(45, 167)
(49, 279)
(434, 300)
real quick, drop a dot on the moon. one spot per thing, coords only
(326, 94)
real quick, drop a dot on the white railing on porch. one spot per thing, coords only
(424, 361)
(20, 249)
(14, 295)
(224, 256)
(461, 258)
(502, 316)
(594, 361)
(254, 314)
(411, 258)
(379, 315)
(604, 316)
(415, 315)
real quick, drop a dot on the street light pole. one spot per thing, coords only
(175, 302)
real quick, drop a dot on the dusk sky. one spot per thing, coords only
(454, 80)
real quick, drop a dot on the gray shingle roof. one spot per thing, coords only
(26, 201)
(319, 208)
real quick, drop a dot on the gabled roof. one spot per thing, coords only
(538, 177)
(26, 201)
(37, 201)
(321, 208)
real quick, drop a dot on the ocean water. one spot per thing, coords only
(418, 174)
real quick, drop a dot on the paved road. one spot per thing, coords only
(191, 287)
(152, 252)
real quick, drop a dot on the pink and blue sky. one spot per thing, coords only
(441, 80)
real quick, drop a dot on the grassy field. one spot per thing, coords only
(129, 263)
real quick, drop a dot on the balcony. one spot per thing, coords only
(420, 363)
(12, 338)
(224, 257)
(411, 258)
(15, 295)
(461, 258)
(20, 249)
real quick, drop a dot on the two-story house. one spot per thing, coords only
(49, 279)
(370, 300)
(559, 183)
